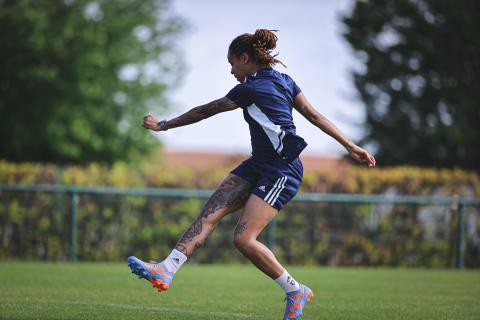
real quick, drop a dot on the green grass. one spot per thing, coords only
(109, 291)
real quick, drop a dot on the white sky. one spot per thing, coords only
(311, 46)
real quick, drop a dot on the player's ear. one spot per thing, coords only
(244, 58)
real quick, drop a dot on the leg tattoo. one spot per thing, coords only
(194, 230)
(232, 195)
(181, 248)
(240, 228)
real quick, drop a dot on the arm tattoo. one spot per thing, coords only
(202, 112)
(232, 193)
(240, 228)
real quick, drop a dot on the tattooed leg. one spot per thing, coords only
(254, 219)
(240, 228)
(231, 195)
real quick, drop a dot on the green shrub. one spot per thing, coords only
(111, 227)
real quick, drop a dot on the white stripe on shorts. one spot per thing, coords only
(279, 185)
(278, 192)
(273, 188)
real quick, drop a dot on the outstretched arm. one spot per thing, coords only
(194, 115)
(302, 105)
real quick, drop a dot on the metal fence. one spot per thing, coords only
(72, 195)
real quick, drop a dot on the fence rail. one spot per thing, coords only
(74, 191)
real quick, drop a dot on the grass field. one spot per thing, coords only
(109, 291)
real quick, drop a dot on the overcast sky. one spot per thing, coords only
(310, 45)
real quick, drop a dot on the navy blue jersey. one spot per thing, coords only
(267, 101)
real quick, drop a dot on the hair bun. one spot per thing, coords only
(265, 38)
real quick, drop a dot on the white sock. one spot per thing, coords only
(174, 261)
(287, 282)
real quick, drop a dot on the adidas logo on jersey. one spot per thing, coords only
(262, 188)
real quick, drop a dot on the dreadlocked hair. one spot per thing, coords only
(258, 46)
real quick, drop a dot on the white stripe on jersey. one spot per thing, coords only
(272, 130)
(279, 191)
(280, 137)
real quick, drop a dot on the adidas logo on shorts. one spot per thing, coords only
(262, 188)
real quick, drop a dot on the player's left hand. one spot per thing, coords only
(150, 122)
(361, 155)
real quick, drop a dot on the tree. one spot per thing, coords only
(419, 80)
(77, 76)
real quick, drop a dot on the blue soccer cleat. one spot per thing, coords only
(296, 301)
(154, 272)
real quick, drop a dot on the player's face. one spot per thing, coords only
(239, 65)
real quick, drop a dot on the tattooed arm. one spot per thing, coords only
(194, 115)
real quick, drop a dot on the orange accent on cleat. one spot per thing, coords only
(152, 272)
(297, 303)
(159, 285)
(310, 297)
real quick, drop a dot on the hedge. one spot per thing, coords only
(35, 225)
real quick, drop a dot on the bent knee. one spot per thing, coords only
(243, 242)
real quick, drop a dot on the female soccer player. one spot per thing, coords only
(265, 182)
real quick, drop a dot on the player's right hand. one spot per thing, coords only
(150, 122)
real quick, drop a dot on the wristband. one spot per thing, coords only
(163, 125)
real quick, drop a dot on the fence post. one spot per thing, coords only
(74, 199)
(271, 234)
(460, 236)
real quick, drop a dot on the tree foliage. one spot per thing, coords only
(419, 79)
(78, 75)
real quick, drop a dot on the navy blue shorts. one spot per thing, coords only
(276, 182)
